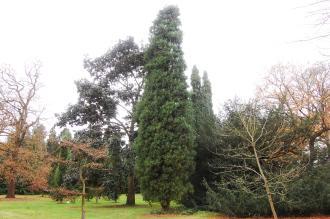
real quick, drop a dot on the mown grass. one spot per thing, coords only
(37, 207)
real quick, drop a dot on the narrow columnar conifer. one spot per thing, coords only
(165, 142)
(204, 127)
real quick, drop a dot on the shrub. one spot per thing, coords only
(61, 194)
(237, 202)
(310, 194)
(307, 195)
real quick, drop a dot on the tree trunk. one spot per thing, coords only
(11, 183)
(130, 179)
(264, 178)
(11, 187)
(270, 199)
(165, 205)
(83, 211)
(130, 190)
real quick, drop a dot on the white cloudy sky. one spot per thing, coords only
(236, 41)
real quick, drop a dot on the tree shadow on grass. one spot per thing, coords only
(120, 206)
(114, 206)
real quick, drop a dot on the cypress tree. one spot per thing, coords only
(207, 96)
(196, 93)
(56, 178)
(165, 138)
(204, 127)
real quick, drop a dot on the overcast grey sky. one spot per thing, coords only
(235, 41)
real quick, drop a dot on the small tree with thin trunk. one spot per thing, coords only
(84, 158)
(261, 155)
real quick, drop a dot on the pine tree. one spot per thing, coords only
(117, 85)
(165, 138)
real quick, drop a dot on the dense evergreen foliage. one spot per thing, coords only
(238, 188)
(307, 195)
(165, 142)
(205, 128)
(114, 182)
(310, 193)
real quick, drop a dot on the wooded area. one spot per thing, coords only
(143, 129)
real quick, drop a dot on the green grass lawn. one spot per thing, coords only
(37, 207)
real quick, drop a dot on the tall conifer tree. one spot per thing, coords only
(207, 96)
(165, 137)
(204, 127)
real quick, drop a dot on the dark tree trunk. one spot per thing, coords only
(11, 187)
(130, 190)
(165, 204)
(130, 179)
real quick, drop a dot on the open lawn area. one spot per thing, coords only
(37, 207)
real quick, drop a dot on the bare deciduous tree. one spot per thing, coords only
(17, 116)
(305, 96)
(260, 152)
